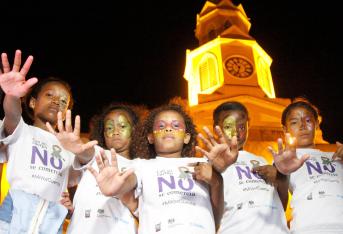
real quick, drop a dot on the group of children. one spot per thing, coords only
(143, 176)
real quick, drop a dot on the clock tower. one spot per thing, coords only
(229, 65)
(228, 61)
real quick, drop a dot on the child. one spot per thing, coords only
(316, 177)
(251, 205)
(37, 180)
(94, 212)
(170, 200)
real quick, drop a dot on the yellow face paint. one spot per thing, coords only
(119, 125)
(229, 127)
(163, 132)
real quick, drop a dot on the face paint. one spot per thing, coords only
(119, 125)
(162, 128)
(229, 127)
(59, 97)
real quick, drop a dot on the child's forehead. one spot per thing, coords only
(168, 115)
(237, 114)
(300, 111)
(118, 113)
(55, 86)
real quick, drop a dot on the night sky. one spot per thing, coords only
(135, 51)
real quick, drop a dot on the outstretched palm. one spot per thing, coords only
(70, 138)
(13, 81)
(221, 154)
(286, 160)
(110, 180)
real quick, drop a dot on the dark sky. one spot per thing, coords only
(135, 51)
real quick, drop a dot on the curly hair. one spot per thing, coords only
(140, 143)
(97, 131)
(38, 87)
(299, 102)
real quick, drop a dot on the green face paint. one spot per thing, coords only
(118, 125)
(229, 127)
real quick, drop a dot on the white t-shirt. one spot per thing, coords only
(317, 199)
(170, 200)
(251, 205)
(37, 163)
(95, 213)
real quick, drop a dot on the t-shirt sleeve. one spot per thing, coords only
(10, 139)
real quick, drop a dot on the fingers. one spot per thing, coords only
(30, 82)
(234, 146)
(303, 159)
(210, 135)
(26, 67)
(92, 170)
(220, 134)
(127, 173)
(289, 142)
(206, 142)
(50, 128)
(77, 127)
(5, 64)
(17, 61)
(99, 161)
(90, 145)
(114, 162)
(201, 150)
(68, 126)
(60, 126)
(280, 146)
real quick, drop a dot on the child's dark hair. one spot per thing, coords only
(97, 132)
(299, 102)
(38, 87)
(144, 149)
(228, 106)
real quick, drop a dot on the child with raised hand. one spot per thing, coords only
(38, 167)
(94, 212)
(316, 177)
(251, 204)
(170, 200)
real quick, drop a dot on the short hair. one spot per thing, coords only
(299, 102)
(38, 87)
(228, 106)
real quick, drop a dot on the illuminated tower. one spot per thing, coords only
(229, 65)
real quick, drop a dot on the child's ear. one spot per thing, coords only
(150, 138)
(187, 138)
(32, 103)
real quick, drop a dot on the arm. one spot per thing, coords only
(282, 188)
(205, 172)
(70, 138)
(129, 200)
(110, 180)
(222, 154)
(15, 87)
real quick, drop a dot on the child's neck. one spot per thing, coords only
(169, 155)
(41, 125)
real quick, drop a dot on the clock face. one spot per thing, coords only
(239, 67)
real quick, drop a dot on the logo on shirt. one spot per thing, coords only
(157, 227)
(254, 163)
(87, 213)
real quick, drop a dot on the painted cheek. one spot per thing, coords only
(124, 126)
(230, 127)
(109, 128)
(163, 133)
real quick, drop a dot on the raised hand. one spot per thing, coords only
(13, 81)
(70, 138)
(285, 159)
(221, 154)
(338, 155)
(110, 180)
